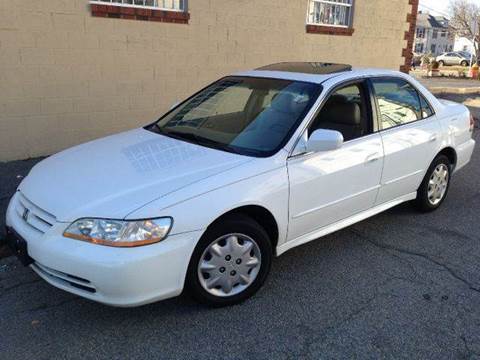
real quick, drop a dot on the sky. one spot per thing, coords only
(439, 7)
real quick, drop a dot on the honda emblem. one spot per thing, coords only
(25, 214)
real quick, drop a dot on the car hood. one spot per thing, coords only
(113, 176)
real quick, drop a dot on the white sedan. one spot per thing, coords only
(249, 167)
(454, 58)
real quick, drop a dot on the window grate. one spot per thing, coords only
(172, 5)
(337, 13)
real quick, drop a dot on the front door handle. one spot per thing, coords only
(372, 158)
(433, 138)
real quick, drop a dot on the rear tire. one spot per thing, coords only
(464, 63)
(230, 263)
(434, 187)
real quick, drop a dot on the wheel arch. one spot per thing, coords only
(260, 214)
(451, 154)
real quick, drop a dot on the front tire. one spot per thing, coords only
(441, 63)
(464, 63)
(434, 188)
(230, 263)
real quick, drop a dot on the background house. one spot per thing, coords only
(432, 35)
(75, 70)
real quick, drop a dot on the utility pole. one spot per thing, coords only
(474, 53)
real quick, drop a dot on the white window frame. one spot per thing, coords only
(421, 32)
(331, 2)
(121, 3)
(417, 45)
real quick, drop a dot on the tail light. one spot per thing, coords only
(472, 123)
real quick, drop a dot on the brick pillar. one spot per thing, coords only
(409, 36)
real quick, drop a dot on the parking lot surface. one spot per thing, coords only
(444, 82)
(398, 285)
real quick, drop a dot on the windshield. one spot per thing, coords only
(245, 115)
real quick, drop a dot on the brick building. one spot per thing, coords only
(74, 70)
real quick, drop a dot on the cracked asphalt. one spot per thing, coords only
(399, 285)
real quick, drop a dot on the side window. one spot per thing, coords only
(345, 111)
(426, 109)
(398, 102)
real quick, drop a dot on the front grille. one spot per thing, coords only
(32, 215)
(64, 278)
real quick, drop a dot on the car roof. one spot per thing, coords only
(314, 72)
(315, 68)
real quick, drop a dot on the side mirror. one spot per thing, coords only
(324, 140)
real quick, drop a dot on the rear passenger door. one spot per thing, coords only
(410, 135)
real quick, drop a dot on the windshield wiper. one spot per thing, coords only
(199, 140)
(175, 134)
(181, 135)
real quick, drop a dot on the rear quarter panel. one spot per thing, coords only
(455, 119)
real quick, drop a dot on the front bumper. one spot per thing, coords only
(113, 276)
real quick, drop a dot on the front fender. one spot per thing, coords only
(268, 189)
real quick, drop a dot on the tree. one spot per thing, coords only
(466, 20)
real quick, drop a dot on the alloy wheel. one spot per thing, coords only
(438, 184)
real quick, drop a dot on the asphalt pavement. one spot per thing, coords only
(399, 285)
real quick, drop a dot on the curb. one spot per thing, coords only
(454, 90)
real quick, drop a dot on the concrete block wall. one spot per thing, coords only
(67, 77)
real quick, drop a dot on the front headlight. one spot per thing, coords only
(119, 233)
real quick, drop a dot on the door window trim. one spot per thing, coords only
(418, 92)
(371, 110)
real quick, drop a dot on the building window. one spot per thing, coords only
(173, 11)
(420, 33)
(330, 17)
(330, 12)
(443, 34)
(419, 48)
(435, 34)
(433, 48)
(155, 4)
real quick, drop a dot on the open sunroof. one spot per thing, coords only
(317, 68)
